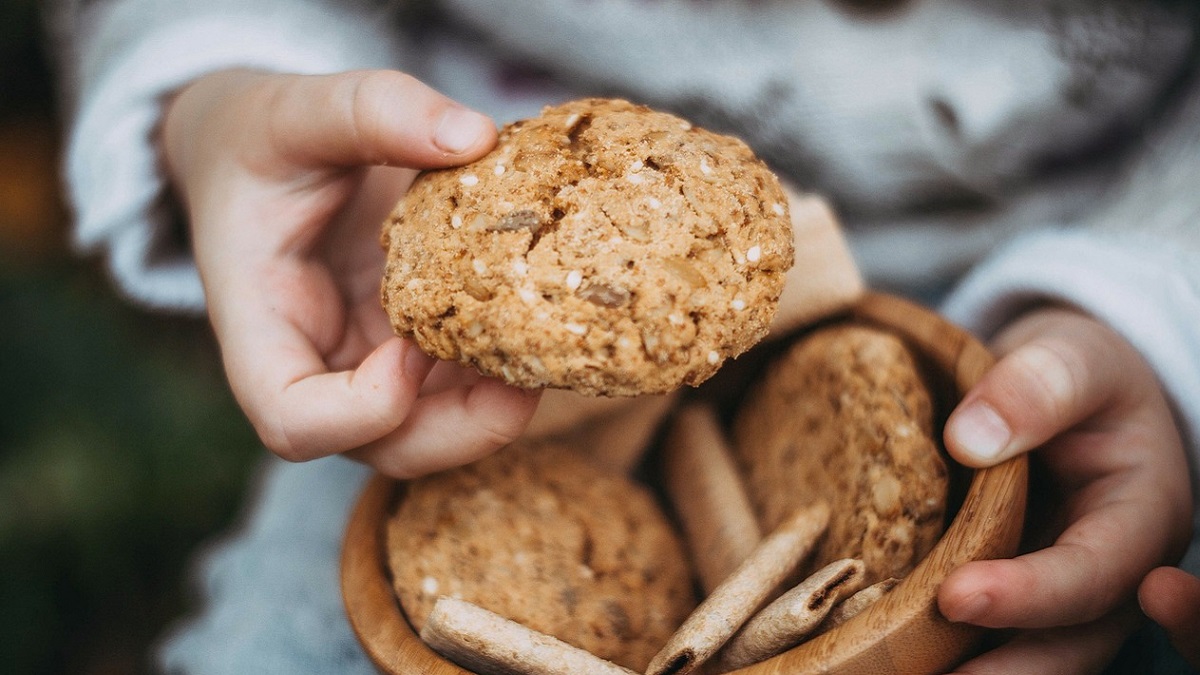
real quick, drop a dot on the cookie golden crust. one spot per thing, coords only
(601, 247)
(845, 416)
(541, 536)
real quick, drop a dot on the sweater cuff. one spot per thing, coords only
(114, 178)
(1146, 291)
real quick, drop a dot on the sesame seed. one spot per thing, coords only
(654, 202)
(499, 169)
(479, 266)
(571, 120)
(456, 221)
(714, 358)
(754, 254)
(429, 586)
(576, 328)
(520, 267)
(635, 178)
(637, 165)
(738, 304)
(469, 180)
(778, 209)
(527, 295)
(574, 279)
(704, 167)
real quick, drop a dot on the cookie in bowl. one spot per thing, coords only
(541, 536)
(845, 416)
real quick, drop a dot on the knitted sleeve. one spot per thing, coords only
(118, 59)
(1135, 265)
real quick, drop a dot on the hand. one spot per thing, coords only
(287, 180)
(1071, 387)
(1171, 597)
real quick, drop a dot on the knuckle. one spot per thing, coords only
(276, 441)
(1050, 376)
(275, 438)
(499, 433)
(365, 117)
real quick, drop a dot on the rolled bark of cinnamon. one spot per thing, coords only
(736, 599)
(489, 644)
(855, 604)
(794, 615)
(707, 492)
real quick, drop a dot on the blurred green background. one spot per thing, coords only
(121, 449)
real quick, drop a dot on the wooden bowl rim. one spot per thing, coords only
(902, 632)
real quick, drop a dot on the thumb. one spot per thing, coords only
(1059, 372)
(373, 117)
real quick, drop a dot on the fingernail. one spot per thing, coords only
(459, 129)
(971, 608)
(980, 431)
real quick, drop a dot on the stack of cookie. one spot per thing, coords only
(611, 250)
(537, 560)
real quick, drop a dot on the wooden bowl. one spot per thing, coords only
(901, 633)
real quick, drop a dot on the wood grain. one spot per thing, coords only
(903, 633)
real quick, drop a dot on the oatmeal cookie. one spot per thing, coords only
(601, 247)
(542, 536)
(845, 416)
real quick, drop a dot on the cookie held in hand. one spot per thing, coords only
(601, 247)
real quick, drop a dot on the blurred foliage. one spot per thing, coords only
(121, 449)
(22, 84)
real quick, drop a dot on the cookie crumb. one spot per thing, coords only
(429, 586)
(574, 279)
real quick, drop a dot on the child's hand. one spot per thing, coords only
(287, 180)
(1171, 597)
(1073, 388)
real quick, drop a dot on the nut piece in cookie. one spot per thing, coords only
(844, 416)
(601, 247)
(542, 536)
